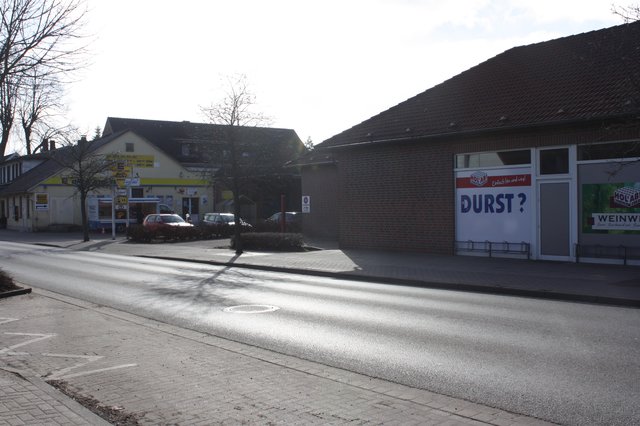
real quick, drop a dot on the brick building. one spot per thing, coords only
(534, 152)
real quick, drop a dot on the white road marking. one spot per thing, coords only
(91, 357)
(84, 373)
(7, 320)
(57, 374)
(251, 309)
(28, 342)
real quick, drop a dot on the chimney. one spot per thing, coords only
(44, 145)
(52, 145)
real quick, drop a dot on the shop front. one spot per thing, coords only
(566, 203)
(102, 215)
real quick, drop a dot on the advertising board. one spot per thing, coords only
(494, 205)
(611, 208)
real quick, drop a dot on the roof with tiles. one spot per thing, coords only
(583, 77)
(168, 136)
(51, 164)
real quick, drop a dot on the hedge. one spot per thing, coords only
(272, 241)
(139, 233)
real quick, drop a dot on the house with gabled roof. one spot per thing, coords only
(37, 193)
(203, 148)
(534, 152)
(167, 166)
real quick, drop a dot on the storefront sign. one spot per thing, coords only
(140, 161)
(42, 201)
(493, 205)
(611, 208)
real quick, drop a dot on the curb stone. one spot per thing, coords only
(69, 403)
(538, 294)
(18, 292)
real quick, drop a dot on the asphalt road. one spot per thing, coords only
(564, 362)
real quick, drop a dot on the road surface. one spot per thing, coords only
(563, 362)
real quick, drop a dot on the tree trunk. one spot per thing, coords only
(83, 214)
(236, 192)
(4, 139)
(27, 138)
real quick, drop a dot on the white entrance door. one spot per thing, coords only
(554, 220)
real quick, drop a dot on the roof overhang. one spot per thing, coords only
(493, 130)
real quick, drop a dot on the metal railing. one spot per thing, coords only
(599, 251)
(494, 247)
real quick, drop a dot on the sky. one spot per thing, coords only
(316, 66)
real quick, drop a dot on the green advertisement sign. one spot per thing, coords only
(611, 208)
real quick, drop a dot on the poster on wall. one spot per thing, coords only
(93, 210)
(42, 201)
(494, 205)
(611, 208)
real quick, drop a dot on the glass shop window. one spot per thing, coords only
(554, 161)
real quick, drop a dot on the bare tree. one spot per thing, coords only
(309, 144)
(35, 34)
(38, 102)
(84, 168)
(8, 99)
(235, 109)
(629, 14)
(236, 106)
(97, 133)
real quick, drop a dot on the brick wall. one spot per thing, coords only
(401, 196)
(397, 197)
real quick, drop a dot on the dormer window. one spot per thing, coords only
(186, 149)
(10, 172)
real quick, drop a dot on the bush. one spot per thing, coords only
(139, 233)
(179, 233)
(266, 226)
(6, 282)
(275, 241)
(206, 232)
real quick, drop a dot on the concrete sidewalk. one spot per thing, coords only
(26, 399)
(148, 372)
(593, 283)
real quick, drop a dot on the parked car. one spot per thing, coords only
(223, 223)
(291, 221)
(156, 222)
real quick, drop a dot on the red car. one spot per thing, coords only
(155, 222)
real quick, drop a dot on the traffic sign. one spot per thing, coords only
(306, 204)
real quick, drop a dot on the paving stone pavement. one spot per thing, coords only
(170, 375)
(28, 400)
